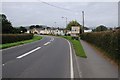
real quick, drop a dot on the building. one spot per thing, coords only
(47, 31)
(35, 30)
(87, 30)
(58, 32)
(75, 31)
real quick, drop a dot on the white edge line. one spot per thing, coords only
(80, 73)
(71, 61)
(28, 53)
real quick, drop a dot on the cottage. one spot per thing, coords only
(35, 30)
(58, 32)
(87, 30)
(47, 31)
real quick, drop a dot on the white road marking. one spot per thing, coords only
(3, 64)
(28, 52)
(52, 39)
(71, 61)
(47, 43)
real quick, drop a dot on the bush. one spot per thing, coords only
(107, 41)
(10, 38)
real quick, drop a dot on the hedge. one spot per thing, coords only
(107, 41)
(10, 38)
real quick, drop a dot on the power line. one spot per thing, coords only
(57, 6)
(66, 10)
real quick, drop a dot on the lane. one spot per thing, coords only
(12, 53)
(50, 61)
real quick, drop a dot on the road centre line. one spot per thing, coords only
(52, 39)
(47, 43)
(71, 61)
(28, 53)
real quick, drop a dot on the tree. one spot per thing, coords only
(22, 29)
(32, 26)
(100, 28)
(72, 23)
(86, 28)
(36, 26)
(16, 31)
(0, 23)
(6, 25)
(118, 27)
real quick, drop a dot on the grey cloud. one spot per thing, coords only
(27, 13)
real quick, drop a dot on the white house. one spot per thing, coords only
(46, 31)
(88, 30)
(35, 30)
(68, 32)
(58, 32)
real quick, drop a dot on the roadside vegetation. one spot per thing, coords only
(107, 41)
(7, 45)
(7, 28)
(10, 38)
(77, 46)
(13, 36)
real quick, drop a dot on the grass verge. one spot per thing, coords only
(7, 45)
(77, 46)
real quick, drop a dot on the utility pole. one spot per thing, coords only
(66, 20)
(83, 21)
(55, 23)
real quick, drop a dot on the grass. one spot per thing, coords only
(7, 45)
(77, 46)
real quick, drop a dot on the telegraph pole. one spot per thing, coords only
(83, 21)
(66, 20)
(55, 23)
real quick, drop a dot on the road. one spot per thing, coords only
(54, 57)
(47, 58)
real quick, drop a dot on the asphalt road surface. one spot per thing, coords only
(53, 57)
(47, 58)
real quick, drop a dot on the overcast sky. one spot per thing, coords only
(28, 13)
